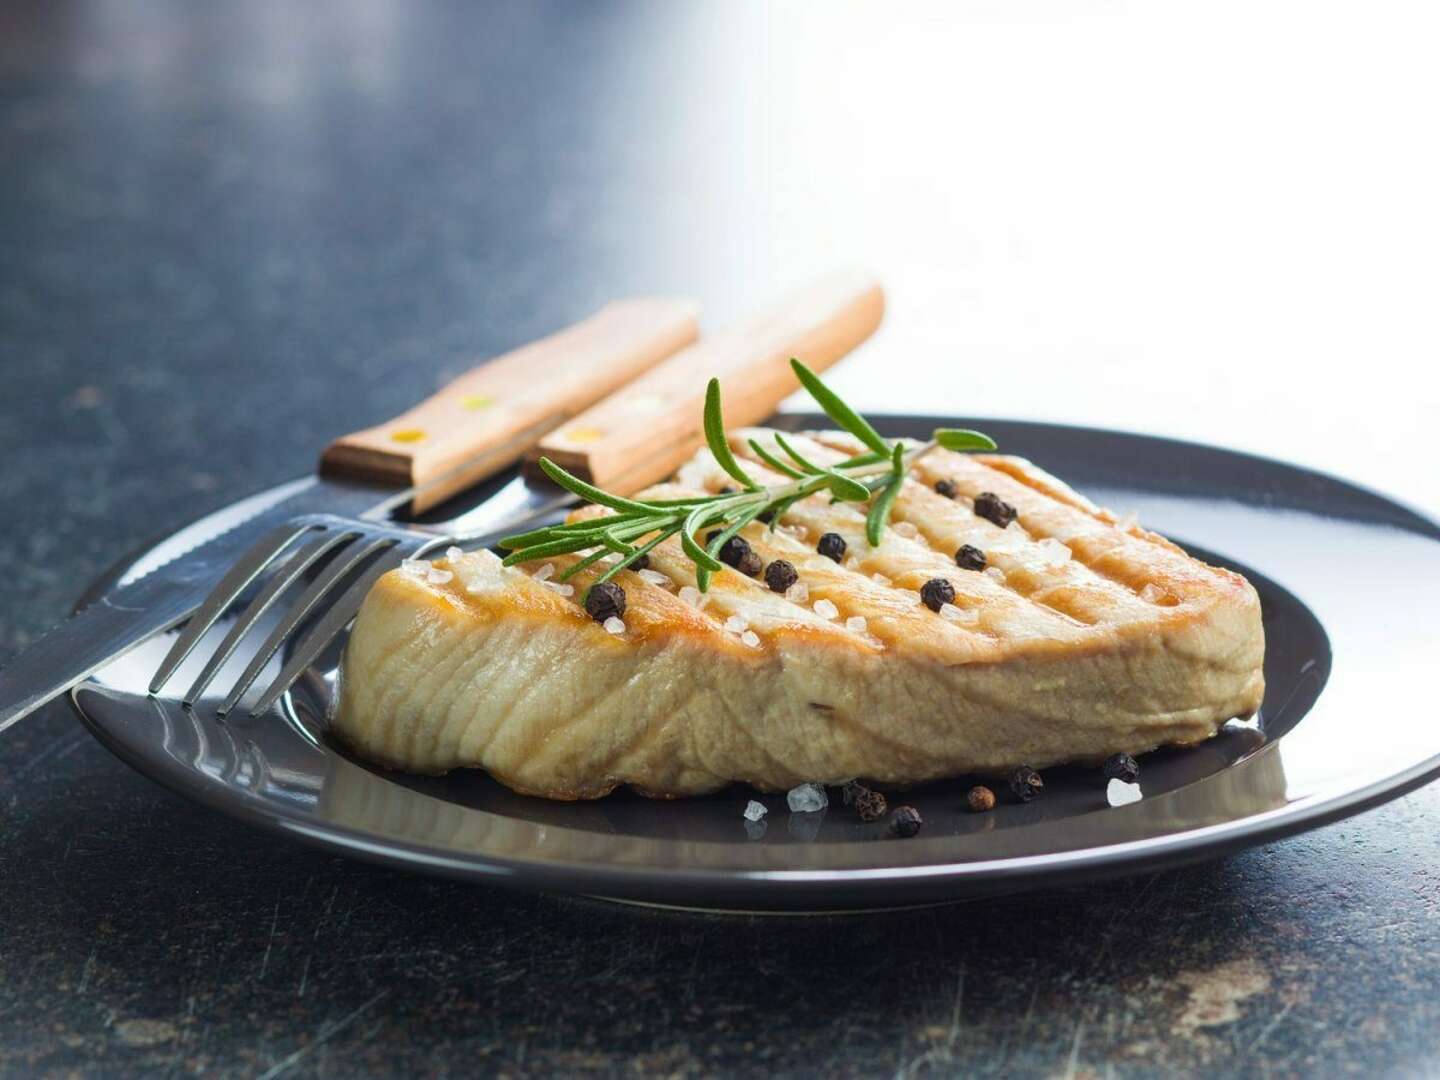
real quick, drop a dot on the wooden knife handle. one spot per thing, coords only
(648, 429)
(493, 414)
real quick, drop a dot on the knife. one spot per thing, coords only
(638, 434)
(487, 417)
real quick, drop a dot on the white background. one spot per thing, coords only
(1213, 221)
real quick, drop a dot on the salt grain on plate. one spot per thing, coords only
(1151, 593)
(806, 799)
(1119, 793)
(654, 577)
(826, 610)
(736, 625)
(545, 572)
(438, 577)
(880, 579)
(1127, 521)
(905, 529)
(614, 625)
(691, 595)
(995, 574)
(749, 637)
(563, 588)
(754, 810)
(856, 624)
(452, 553)
(798, 593)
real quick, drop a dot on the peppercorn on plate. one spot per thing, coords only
(1001, 620)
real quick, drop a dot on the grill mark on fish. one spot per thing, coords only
(933, 514)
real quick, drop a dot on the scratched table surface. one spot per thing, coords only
(230, 232)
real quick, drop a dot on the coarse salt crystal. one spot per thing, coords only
(799, 532)
(654, 577)
(995, 574)
(1119, 793)
(1056, 553)
(856, 623)
(905, 529)
(614, 625)
(1127, 521)
(749, 637)
(691, 595)
(1151, 593)
(754, 810)
(414, 566)
(452, 553)
(545, 572)
(958, 614)
(736, 625)
(826, 610)
(561, 587)
(806, 799)
(798, 593)
(880, 579)
(437, 577)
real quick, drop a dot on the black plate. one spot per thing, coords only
(1348, 581)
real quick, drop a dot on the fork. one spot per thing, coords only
(348, 555)
(339, 547)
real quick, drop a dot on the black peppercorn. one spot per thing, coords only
(981, 799)
(750, 563)
(642, 563)
(733, 551)
(905, 821)
(1122, 767)
(1025, 782)
(936, 593)
(832, 546)
(870, 805)
(780, 575)
(604, 601)
(946, 488)
(727, 490)
(969, 557)
(994, 509)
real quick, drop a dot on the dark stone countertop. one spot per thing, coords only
(228, 234)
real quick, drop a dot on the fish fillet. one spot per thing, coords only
(1085, 636)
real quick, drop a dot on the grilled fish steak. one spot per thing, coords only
(1084, 636)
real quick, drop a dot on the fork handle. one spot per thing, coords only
(652, 426)
(491, 415)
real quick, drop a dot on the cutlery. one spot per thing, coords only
(639, 434)
(465, 433)
(479, 424)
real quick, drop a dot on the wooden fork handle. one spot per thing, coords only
(492, 415)
(649, 428)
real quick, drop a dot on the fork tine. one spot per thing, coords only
(291, 572)
(341, 565)
(323, 632)
(236, 580)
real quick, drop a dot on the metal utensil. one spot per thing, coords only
(477, 425)
(611, 444)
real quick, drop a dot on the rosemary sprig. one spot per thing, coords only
(638, 525)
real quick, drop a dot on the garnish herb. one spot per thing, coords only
(638, 525)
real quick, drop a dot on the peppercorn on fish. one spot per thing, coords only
(1061, 634)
